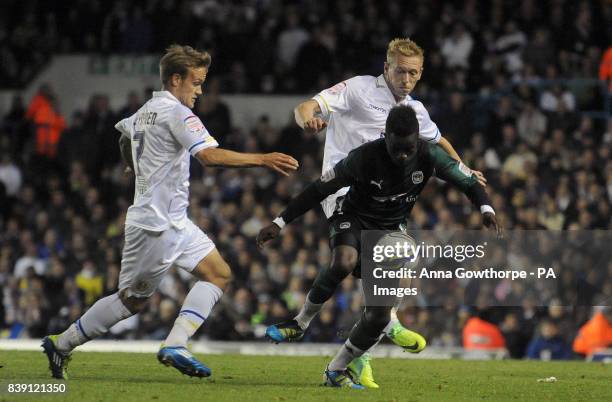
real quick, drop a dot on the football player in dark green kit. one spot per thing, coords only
(385, 177)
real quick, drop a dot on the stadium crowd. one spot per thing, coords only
(497, 94)
(274, 46)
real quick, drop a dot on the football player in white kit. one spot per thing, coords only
(354, 112)
(158, 142)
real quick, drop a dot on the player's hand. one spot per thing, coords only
(480, 177)
(282, 163)
(489, 220)
(268, 233)
(314, 125)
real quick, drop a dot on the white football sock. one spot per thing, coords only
(105, 313)
(307, 313)
(345, 355)
(389, 326)
(196, 308)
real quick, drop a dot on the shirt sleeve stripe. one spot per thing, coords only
(195, 145)
(188, 117)
(327, 108)
(436, 138)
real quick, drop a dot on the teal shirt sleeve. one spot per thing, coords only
(451, 170)
(344, 174)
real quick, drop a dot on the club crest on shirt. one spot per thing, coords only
(417, 177)
(141, 286)
(336, 89)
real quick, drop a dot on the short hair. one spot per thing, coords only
(402, 121)
(405, 47)
(179, 59)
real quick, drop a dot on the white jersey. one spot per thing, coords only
(164, 134)
(356, 110)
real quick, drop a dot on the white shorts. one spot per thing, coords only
(148, 255)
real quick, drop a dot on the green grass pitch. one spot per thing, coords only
(138, 377)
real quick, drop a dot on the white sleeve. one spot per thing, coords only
(336, 98)
(428, 130)
(124, 127)
(189, 131)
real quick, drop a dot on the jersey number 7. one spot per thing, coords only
(139, 138)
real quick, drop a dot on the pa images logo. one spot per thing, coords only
(417, 177)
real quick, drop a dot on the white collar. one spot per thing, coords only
(165, 94)
(382, 83)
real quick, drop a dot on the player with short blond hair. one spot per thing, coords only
(157, 142)
(355, 112)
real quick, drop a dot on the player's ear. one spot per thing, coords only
(386, 67)
(175, 80)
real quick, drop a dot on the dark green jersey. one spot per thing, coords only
(381, 193)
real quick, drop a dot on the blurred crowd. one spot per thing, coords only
(493, 82)
(274, 46)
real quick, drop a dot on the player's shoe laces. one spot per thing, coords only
(361, 369)
(58, 361)
(410, 341)
(341, 379)
(181, 359)
(288, 331)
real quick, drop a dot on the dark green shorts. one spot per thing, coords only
(345, 230)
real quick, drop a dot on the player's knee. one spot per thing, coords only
(221, 275)
(132, 303)
(345, 260)
(377, 318)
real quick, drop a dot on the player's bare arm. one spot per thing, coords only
(277, 161)
(125, 148)
(305, 116)
(449, 149)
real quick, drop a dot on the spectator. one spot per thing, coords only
(605, 68)
(510, 46)
(457, 47)
(594, 334)
(549, 345)
(48, 123)
(10, 175)
(479, 334)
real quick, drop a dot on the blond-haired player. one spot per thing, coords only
(158, 142)
(354, 112)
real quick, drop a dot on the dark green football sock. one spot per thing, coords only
(325, 284)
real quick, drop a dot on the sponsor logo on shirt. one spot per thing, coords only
(395, 197)
(417, 177)
(380, 109)
(345, 225)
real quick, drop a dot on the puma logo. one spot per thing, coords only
(379, 184)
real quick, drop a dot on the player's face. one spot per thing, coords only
(188, 89)
(401, 149)
(403, 73)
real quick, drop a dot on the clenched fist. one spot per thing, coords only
(268, 233)
(489, 220)
(314, 125)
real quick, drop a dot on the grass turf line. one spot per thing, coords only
(136, 377)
